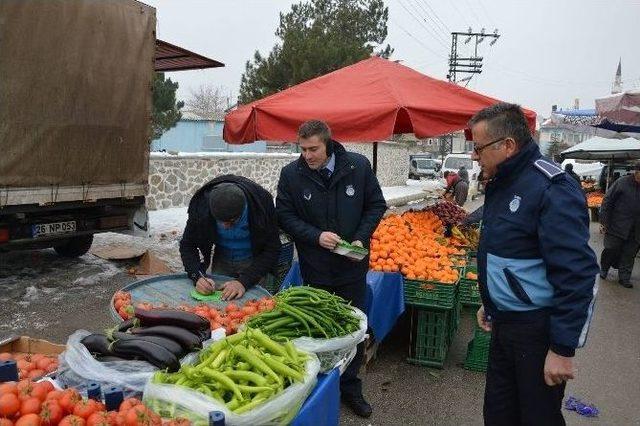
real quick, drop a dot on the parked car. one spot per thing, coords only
(422, 166)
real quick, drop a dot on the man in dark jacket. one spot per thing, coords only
(568, 169)
(237, 216)
(326, 195)
(536, 271)
(620, 219)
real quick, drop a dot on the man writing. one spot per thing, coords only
(326, 195)
(237, 216)
(536, 271)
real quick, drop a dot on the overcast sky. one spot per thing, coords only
(550, 51)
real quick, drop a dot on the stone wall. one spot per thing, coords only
(173, 179)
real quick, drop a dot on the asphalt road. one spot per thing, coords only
(43, 295)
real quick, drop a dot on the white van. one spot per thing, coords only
(453, 162)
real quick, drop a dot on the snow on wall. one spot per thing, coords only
(173, 179)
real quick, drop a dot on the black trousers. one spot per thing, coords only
(515, 392)
(619, 253)
(354, 292)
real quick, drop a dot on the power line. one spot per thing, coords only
(429, 30)
(438, 54)
(473, 12)
(489, 17)
(443, 26)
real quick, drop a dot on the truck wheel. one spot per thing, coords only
(75, 246)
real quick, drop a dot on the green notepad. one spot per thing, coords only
(216, 296)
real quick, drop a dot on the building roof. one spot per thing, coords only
(170, 57)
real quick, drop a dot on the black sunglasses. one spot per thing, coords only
(478, 149)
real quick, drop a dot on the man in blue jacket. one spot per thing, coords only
(326, 195)
(536, 271)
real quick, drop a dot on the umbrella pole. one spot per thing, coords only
(375, 158)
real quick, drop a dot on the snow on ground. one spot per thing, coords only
(168, 220)
(394, 192)
(427, 184)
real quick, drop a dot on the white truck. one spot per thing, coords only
(76, 80)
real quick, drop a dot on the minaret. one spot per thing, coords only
(617, 83)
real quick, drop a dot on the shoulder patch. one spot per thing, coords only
(548, 168)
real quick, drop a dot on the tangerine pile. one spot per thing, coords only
(594, 199)
(413, 243)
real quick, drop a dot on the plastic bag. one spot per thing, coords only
(78, 367)
(172, 401)
(335, 352)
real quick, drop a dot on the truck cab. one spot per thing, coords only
(422, 165)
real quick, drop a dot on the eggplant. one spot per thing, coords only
(171, 345)
(182, 319)
(185, 338)
(109, 358)
(97, 344)
(126, 325)
(204, 334)
(150, 352)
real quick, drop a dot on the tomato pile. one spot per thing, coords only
(230, 318)
(27, 403)
(32, 366)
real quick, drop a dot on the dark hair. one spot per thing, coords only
(568, 167)
(226, 202)
(504, 120)
(445, 174)
(315, 128)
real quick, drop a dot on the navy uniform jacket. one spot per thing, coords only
(534, 256)
(351, 205)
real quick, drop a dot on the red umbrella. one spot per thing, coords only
(365, 102)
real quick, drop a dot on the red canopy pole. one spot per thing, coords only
(375, 158)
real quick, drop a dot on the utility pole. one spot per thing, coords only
(467, 64)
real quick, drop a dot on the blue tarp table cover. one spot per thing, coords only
(385, 298)
(322, 407)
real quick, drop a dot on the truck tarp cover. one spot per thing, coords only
(75, 92)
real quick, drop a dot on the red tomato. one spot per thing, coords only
(53, 366)
(25, 387)
(22, 364)
(129, 403)
(86, 408)
(40, 391)
(9, 405)
(99, 418)
(30, 406)
(54, 395)
(5, 422)
(43, 363)
(36, 374)
(72, 420)
(29, 420)
(51, 413)
(249, 310)
(116, 418)
(9, 387)
(236, 315)
(231, 307)
(69, 399)
(5, 356)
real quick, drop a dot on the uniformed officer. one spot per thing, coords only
(326, 195)
(536, 271)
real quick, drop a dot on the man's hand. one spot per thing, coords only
(232, 290)
(482, 320)
(328, 240)
(557, 369)
(205, 286)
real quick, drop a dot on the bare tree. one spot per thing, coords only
(209, 101)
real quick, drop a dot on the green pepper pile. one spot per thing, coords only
(307, 311)
(241, 371)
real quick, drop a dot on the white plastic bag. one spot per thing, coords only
(337, 351)
(172, 401)
(78, 367)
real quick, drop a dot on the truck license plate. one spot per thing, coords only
(44, 229)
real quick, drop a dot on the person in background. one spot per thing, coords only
(568, 169)
(536, 271)
(620, 221)
(461, 187)
(326, 195)
(450, 178)
(237, 216)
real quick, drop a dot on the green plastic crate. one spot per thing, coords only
(430, 294)
(478, 351)
(469, 291)
(454, 324)
(429, 338)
